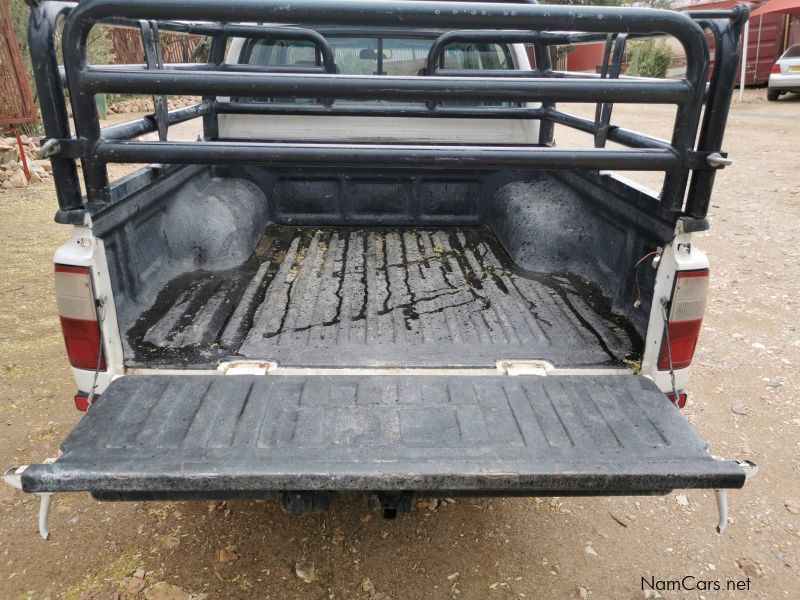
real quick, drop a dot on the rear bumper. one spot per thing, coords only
(229, 436)
(788, 83)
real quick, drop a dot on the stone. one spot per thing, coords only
(305, 571)
(750, 567)
(135, 585)
(227, 556)
(165, 591)
(44, 164)
(367, 586)
(792, 505)
(682, 500)
(738, 408)
(173, 542)
(590, 551)
(8, 155)
(19, 180)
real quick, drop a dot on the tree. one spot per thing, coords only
(99, 46)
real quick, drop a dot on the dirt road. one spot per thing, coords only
(536, 548)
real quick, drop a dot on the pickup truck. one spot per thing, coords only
(375, 271)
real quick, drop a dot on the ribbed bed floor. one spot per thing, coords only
(379, 297)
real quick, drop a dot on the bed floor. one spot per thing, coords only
(380, 297)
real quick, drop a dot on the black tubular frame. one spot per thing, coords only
(447, 23)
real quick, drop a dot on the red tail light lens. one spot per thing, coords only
(82, 401)
(685, 318)
(78, 314)
(681, 401)
(776, 68)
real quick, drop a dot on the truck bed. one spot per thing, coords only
(346, 296)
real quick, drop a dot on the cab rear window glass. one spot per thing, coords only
(376, 56)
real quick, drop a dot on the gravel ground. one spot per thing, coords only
(507, 548)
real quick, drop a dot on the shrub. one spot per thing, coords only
(649, 59)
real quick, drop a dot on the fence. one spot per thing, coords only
(175, 48)
(16, 100)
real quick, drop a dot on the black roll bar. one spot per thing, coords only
(435, 59)
(41, 39)
(450, 156)
(355, 87)
(450, 22)
(290, 34)
(149, 124)
(727, 42)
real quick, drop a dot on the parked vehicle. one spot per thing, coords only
(376, 272)
(785, 75)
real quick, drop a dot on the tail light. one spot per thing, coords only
(776, 68)
(685, 318)
(78, 314)
(82, 401)
(680, 402)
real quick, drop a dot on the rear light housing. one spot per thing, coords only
(776, 68)
(78, 314)
(685, 318)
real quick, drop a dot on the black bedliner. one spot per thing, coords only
(177, 436)
(349, 296)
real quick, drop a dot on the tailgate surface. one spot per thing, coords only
(533, 435)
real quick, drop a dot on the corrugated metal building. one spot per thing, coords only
(769, 36)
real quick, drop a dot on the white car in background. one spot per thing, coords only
(785, 75)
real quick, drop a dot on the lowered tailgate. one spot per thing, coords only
(223, 435)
